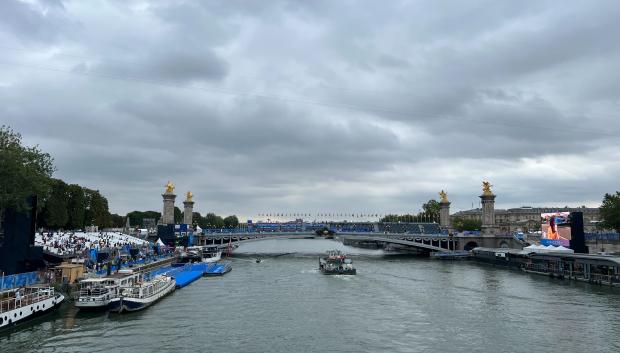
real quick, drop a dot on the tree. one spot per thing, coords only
(195, 216)
(76, 206)
(55, 213)
(136, 218)
(213, 221)
(97, 209)
(231, 222)
(24, 171)
(431, 208)
(178, 215)
(610, 211)
(389, 218)
(117, 221)
(461, 224)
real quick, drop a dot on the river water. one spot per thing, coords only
(394, 304)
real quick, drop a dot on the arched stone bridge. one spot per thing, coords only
(430, 243)
(423, 242)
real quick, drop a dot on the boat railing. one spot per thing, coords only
(130, 292)
(25, 296)
(141, 290)
(574, 274)
(94, 291)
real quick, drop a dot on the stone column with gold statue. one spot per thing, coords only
(188, 209)
(444, 211)
(488, 209)
(169, 197)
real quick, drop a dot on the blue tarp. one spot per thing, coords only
(18, 280)
(93, 255)
(218, 268)
(184, 278)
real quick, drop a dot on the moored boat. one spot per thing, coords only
(207, 254)
(211, 254)
(20, 304)
(336, 263)
(96, 293)
(142, 294)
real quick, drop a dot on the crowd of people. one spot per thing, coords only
(68, 243)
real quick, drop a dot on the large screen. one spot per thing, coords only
(555, 229)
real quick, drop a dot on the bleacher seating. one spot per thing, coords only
(337, 227)
(409, 228)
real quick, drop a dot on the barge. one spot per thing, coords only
(336, 263)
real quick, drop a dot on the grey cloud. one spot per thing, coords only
(286, 104)
(29, 22)
(169, 64)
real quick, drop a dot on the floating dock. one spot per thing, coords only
(218, 269)
(183, 278)
(452, 255)
(189, 273)
(212, 269)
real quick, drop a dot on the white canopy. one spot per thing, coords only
(159, 242)
(549, 248)
(564, 250)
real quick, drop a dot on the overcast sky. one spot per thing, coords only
(319, 106)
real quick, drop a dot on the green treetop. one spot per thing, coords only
(24, 171)
(610, 211)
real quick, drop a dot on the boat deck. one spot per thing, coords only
(8, 301)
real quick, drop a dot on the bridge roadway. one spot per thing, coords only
(429, 242)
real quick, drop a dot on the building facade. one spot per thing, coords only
(527, 219)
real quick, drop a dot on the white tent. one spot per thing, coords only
(159, 242)
(564, 250)
(548, 248)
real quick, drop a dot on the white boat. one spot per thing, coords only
(24, 303)
(142, 294)
(211, 254)
(207, 254)
(96, 293)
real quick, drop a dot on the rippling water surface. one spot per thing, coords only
(394, 304)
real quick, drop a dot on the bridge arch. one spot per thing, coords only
(470, 245)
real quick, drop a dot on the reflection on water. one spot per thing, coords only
(401, 304)
(302, 247)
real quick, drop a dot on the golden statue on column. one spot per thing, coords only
(443, 196)
(169, 187)
(189, 196)
(486, 188)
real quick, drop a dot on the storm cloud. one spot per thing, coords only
(319, 106)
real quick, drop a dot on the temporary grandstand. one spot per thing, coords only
(336, 227)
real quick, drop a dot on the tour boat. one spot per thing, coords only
(206, 254)
(211, 254)
(96, 293)
(20, 304)
(142, 294)
(336, 263)
(189, 256)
